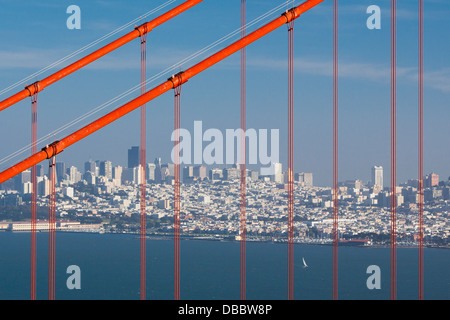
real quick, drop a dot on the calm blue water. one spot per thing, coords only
(210, 270)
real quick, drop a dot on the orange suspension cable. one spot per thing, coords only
(177, 200)
(149, 26)
(335, 149)
(59, 146)
(33, 194)
(290, 169)
(420, 191)
(51, 226)
(394, 150)
(143, 165)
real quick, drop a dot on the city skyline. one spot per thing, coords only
(110, 170)
(89, 206)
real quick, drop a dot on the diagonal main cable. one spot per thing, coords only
(81, 50)
(150, 80)
(143, 167)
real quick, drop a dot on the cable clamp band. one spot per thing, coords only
(177, 79)
(290, 15)
(33, 88)
(51, 150)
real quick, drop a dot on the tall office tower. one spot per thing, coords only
(307, 179)
(117, 173)
(22, 178)
(188, 173)
(158, 174)
(90, 166)
(27, 187)
(171, 168)
(39, 170)
(74, 175)
(278, 172)
(89, 177)
(133, 157)
(431, 180)
(60, 171)
(43, 187)
(165, 172)
(151, 168)
(377, 176)
(200, 172)
(137, 175)
(106, 169)
(304, 178)
(97, 168)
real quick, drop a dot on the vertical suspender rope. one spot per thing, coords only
(177, 202)
(335, 149)
(51, 227)
(290, 160)
(394, 150)
(143, 170)
(34, 191)
(243, 228)
(420, 149)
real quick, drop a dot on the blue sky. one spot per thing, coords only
(33, 34)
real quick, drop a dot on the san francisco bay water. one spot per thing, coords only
(210, 270)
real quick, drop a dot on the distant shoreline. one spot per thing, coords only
(229, 238)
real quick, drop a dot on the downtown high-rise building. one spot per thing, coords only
(158, 169)
(89, 177)
(90, 166)
(60, 171)
(137, 175)
(117, 173)
(278, 176)
(377, 176)
(304, 178)
(106, 169)
(74, 175)
(151, 169)
(200, 172)
(40, 170)
(133, 157)
(431, 180)
(188, 173)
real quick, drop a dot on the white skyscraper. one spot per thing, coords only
(278, 172)
(74, 175)
(137, 174)
(377, 176)
(106, 169)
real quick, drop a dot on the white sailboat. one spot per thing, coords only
(304, 263)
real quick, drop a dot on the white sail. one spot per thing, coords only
(304, 263)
